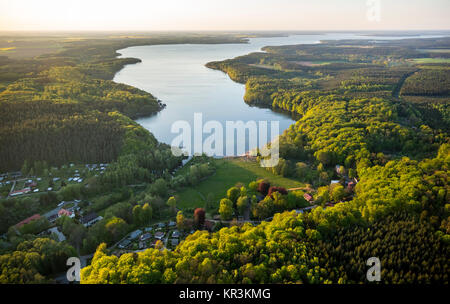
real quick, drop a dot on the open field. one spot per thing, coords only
(431, 60)
(228, 173)
(435, 50)
(29, 47)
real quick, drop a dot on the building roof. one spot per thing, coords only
(124, 243)
(22, 191)
(65, 212)
(145, 236)
(135, 233)
(159, 234)
(27, 220)
(14, 174)
(307, 196)
(87, 218)
(59, 234)
(52, 217)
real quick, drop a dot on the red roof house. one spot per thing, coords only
(308, 197)
(64, 212)
(19, 192)
(27, 220)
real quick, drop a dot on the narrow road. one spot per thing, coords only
(398, 87)
(85, 258)
(12, 188)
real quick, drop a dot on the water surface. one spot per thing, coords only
(177, 75)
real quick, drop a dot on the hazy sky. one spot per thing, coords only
(222, 15)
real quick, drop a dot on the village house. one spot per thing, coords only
(145, 237)
(59, 234)
(20, 192)
(30, 183)
(159, 235)
(90, 219)
(124, 244)
(52, 218)
(64, 212)
(15, 174)
(135, 234)
(308, 197)
(27, 220)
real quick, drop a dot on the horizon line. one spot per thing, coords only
(225, 30)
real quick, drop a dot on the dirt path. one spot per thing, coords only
(398, 87)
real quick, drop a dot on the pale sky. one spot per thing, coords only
(190, 15)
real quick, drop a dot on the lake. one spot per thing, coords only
(177, 75)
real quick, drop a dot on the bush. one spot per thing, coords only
(263, 188)
(242, 204)
(226, 209)
(233, 193)
(199, 218)
(277, 189)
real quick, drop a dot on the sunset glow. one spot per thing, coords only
(221, 15)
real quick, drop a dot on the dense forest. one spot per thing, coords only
(63, 114)
(327, 245)
(285, 250)
(34, 260)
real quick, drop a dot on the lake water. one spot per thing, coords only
(177, 75)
